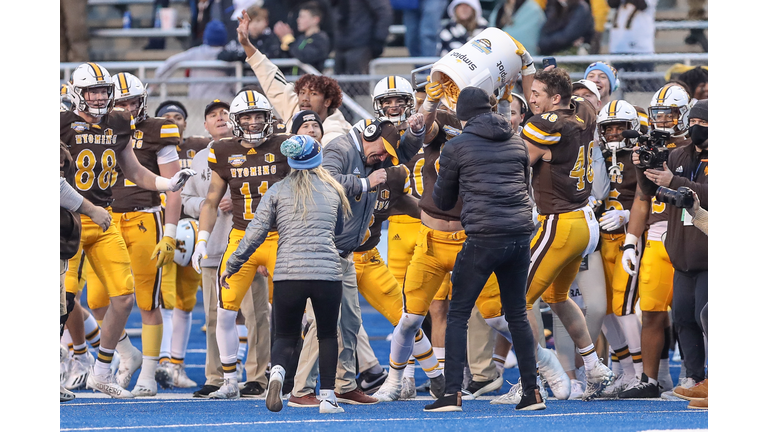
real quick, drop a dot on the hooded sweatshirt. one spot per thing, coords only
(487, 165)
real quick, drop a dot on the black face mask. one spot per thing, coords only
(699, 136)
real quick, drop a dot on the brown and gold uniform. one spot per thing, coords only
(94, 149)
(621, 288)
(374, 280)
(180, 284)
(561, 189)
(249, 172)
(435, 251)
(139, 216)
(656, 272)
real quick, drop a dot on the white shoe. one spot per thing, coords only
(128, 365)
(77, 375)
(598, 378)
(227, 391)
(107, 385)
(409, 389)
(63, 364)
(390, 390)
(511, 360)
(144, 388)
(328, 403)
(577, 389)
(274, 400)
(515, 394)
(65, 395)
(164, 374)
(581, 375)
(180, 378)
(552, 371)
(683, 382)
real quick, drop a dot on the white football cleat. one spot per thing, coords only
(65, 395)
(390, 390)
(128, 365)
(328, 403)
(409, 389)
(598, 378)
(577, 389)
(107, 385)
(77, 375)
(180, 378)
(145, 388)
(164, 375)
(515, 394)
(229, 390)
(552, 371)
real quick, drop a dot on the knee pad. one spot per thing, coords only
(70, 303)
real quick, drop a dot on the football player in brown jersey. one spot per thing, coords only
(99, 139)
(560, 137)
(668, 111)
(140, 218)
(179, 283)
(248, 164)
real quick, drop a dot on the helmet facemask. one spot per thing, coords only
(141, 111)
(261, 133)
(102, 107)
(668, 119)
(382, 113)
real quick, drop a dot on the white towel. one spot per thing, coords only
(594, 230)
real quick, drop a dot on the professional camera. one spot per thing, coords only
(682, 197)
(653, 151)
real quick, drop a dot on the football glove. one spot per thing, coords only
(434, 91)
(201, 251)
(164, 251)
(629, 261)
(614, 219)
(525, 56)
(174, 183)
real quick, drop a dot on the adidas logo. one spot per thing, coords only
(396, 237)
(679, 169)
(356, 171)
(251, 152)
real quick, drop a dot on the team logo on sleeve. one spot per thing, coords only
(269, 158)
(236, 160)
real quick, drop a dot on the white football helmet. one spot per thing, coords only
(186, 238)
(246, 102)
(618, 111)
(128, 86)
(91, 76)
(65, 102)
(669, 102)
(393, 86)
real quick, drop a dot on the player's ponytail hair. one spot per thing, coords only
(300, 182)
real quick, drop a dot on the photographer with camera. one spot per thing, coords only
(668, 115)
(685, 172)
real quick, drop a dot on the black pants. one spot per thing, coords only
(688, 299)
(508, 257)
(289, 300)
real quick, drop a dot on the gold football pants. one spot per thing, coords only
(621, 288)
(655, 278)
(433, 259)
(240, 282)
(179, 287)
(377, 285)
(555, 256)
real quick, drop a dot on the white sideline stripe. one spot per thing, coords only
(361, 420)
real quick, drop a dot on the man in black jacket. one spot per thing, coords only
(487, 165)
(362, 28)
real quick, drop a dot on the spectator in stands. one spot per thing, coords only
(214, 39)
(466, 22)
(600, 12)
(522, 19)
(696, 13)
(422, 25)
(633, 32)
(73, 42)
(312, 46)
(260, 35)
(205, 11)
(362, 28)
(288, 10)
(697, 81)
(568, 28)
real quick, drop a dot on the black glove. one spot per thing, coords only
(377, 48)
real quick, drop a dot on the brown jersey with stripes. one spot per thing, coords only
(150, 136)
(94, 149)
(249, 172)
(391, 191)
(563, 183)
(189, 147)
(623, 184)
(449, 127)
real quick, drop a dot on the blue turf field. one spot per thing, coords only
(177, 410)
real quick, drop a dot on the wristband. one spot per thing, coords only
(420, 132)
(203, 236)
(430, 106)
(630, 239)
(162, 184)
(627, 246)
(169, 230)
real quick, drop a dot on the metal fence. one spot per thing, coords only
(641, 76)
